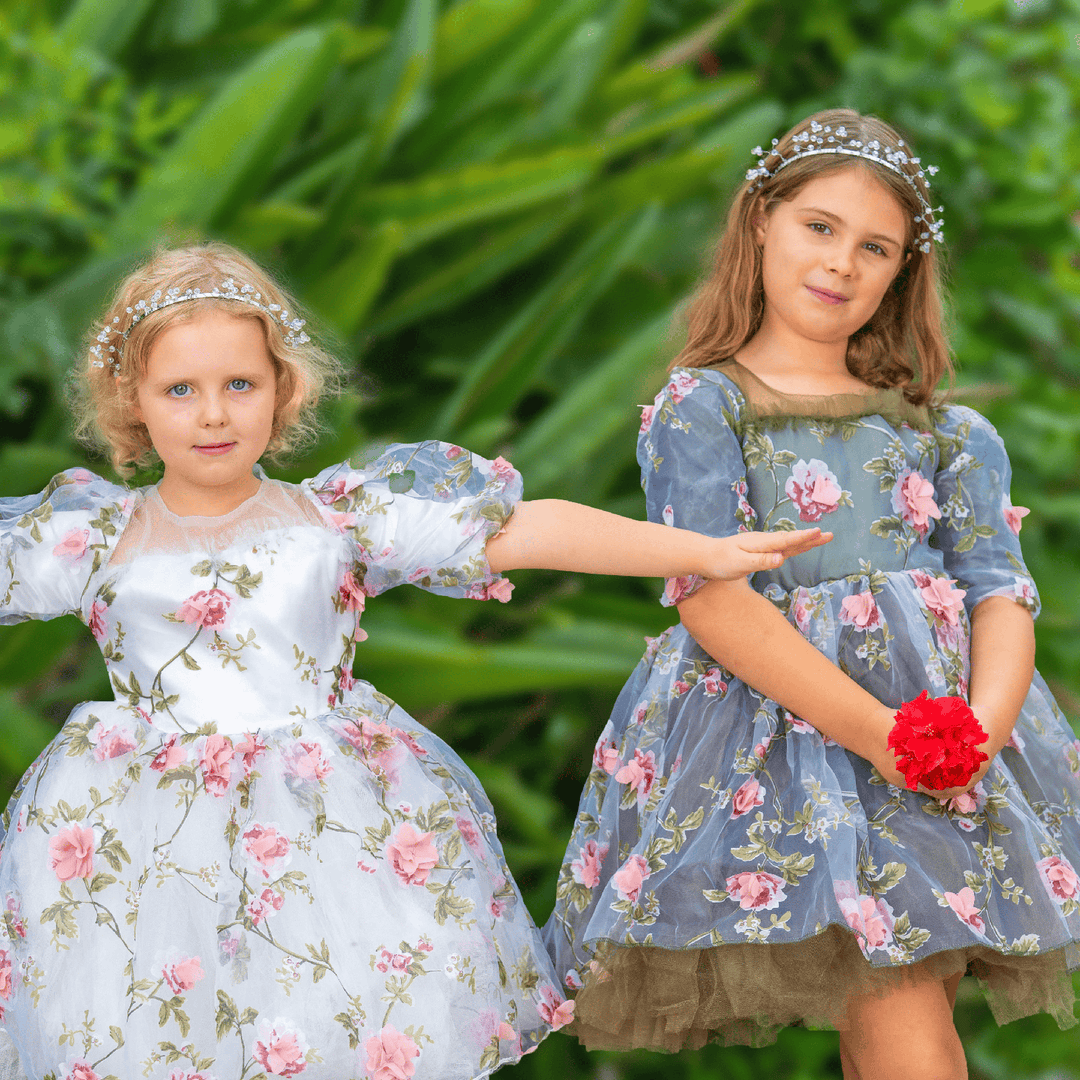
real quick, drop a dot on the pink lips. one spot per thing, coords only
(827, 297)
(215, 448)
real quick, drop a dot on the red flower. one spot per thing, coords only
(936, 742)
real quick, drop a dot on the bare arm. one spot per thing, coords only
(750, 637)
(1002, 663)
(557, 535)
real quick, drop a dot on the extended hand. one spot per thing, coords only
(745, 553)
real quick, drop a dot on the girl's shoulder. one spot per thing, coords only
(72, 492)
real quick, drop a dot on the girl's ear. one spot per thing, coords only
(758, 220)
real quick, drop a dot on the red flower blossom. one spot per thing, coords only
(936, 742)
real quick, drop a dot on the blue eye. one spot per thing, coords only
(180, 390)
(240, 384)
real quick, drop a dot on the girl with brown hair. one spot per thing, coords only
(745, 855)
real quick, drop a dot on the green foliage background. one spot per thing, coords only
(493, 208)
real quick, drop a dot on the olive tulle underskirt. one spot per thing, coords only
(666, 999)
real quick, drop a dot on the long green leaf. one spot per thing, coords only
(223, 156)
(478, 267)
(470, 29)
(519, 352)
(25, 734)
(438, 204)
(594, 410)
(106, 26)
(344, 295)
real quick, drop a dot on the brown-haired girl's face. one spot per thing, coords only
(829, 254)
(208, 399)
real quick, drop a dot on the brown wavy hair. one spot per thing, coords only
(904, 344)
(103, 403)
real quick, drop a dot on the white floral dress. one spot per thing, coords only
(731, 870)
(250, 864)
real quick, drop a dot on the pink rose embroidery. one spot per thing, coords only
(264, 905)
(800, 608)
(111, 742)
(627, 880)
(1059, 878)
(73, 546)
(265, 847)
(96, 620)
(1014, 515)
(499, 590)
(80, 1070)
(681, 385)
(453, 453)
(6, 983)
(756, 889)
(860, 610)
(205, 608)
(249, 749)
(639, 774)
(351, 593)
(679, 588)
(813, 489)
(871, 920)
(307, 761)
(586, 867)
(554, 1009)
(501, 469)
(713, 683)
(412, 855)
(183, 975)
(646, 418)
(606, 756)
(744, 800)
(913, 500)
(390, 1055)
(18, 923)
(171, 754)
(469, 833)
(71, 852)
(280, 1049)
(943, 600)
(214, 760)
(963, 905)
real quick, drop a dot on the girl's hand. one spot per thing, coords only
(746, 553)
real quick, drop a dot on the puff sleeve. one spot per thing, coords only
(692, 469)
(422, 513)
(52, 544)
(979, 530)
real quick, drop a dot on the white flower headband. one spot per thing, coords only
(823, 140)
(108, 351)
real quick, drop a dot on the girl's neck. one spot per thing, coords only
(793, 365)
(191, 500)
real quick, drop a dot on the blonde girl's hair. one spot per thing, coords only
(904, 344)
(103, 401)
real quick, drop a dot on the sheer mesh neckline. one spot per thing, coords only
(765, 402)
(199, 519)
(154, 529)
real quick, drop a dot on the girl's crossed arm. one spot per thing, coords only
(557, 535)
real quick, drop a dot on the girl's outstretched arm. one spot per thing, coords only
(557, 535)
(749, 636)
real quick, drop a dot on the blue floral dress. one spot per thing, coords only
(250, 864)
(731, 870)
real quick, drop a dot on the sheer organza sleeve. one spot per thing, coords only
(53, 543)
(979, 530)
(422, 513)
(692, 468)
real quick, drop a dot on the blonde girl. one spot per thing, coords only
(250, 862)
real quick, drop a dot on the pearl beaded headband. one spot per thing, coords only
(821, 139)
(106, 351)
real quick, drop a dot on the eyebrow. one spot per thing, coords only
(833, 217)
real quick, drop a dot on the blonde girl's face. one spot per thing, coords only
(208, 400)
(829, 255)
